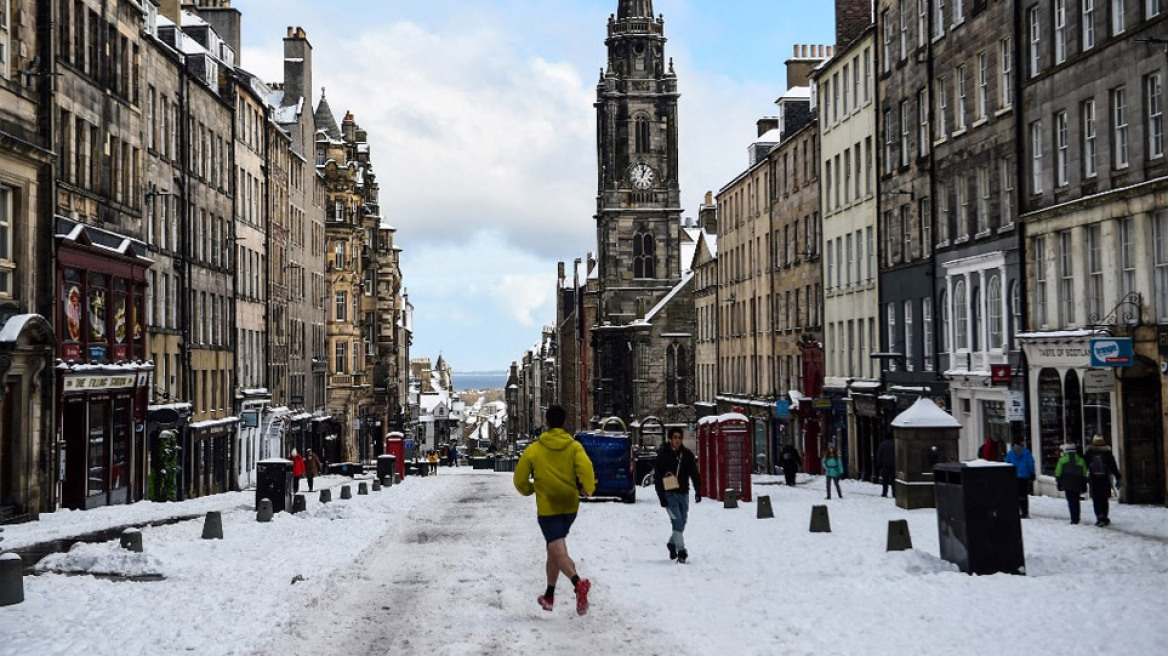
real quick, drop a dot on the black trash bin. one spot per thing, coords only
(274, 482)
(386, 466)
(977, 517)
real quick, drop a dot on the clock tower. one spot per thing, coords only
(638, 212)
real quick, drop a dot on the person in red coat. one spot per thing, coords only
(989, 451)
(297, 470)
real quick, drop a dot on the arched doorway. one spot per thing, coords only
(1143, 435)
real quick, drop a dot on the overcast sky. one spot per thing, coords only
(482, 130)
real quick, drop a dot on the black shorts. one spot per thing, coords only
(555, 527)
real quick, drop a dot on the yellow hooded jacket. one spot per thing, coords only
(556, 462)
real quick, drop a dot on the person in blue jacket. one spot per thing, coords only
(833, 470)
(1023, 462)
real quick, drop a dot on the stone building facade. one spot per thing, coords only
(27, 452)
(645, 303)
(1093, 186)
(847, 119)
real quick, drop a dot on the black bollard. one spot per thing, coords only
(298, 504)
(264, 514)
(376, 485)
(730, 499)
(132, 540)
(213, 526)
(387, 481)
(764, 508)
(898, 535)
(346, 493)
(11, 579)
(326, 495)
(820, 522)
(362, 488)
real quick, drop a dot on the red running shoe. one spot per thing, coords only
(582, 589)
(545, 603)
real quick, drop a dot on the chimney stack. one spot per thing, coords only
(852, 17)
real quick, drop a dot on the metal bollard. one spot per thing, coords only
(264, 514)
(730, 499)
(362, 488)
(764, 508)
(376, 485)
(898, 535)
(387, 481)
(298, 504)
(326, 495)
(11, 579)
(820, 522)
(213, 526)
(132, 540)
(396, 478)
(346, 493)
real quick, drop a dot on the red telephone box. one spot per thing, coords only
(707, 428)
(733, 455)
(395, 446)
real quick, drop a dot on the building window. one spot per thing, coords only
(906, 231)
(339, 255)
(642, 132)
(1094, 272)
(1060, 31)
(1006, 192)
(892, 343)
(888, 137)
(676, 375)
(962, 227)
(994, 313)
(1062, 154)
(1160, 237)
(1127, 257)
(644, 256)
(983, 85)
(1119, 129)
(1036, 157)
(982, 219)
(922, 27)
(922, 123)
(905, 122)
(1153, 90)
(1089, 167)
(1066, 280)
(5, 40)
(342, 356)
(887, 15)
(939, 19)
(1088, 24)
(943, 197)
(925, 229)
(946, 336)
(908, 335)
(942, 108)
(960, 317)
(1006, 73)
(342, 306)
(959, 99)
(1040, 291)
(1151, 8)
(927, 333)
(7, 261)
(904, 9)
(1117, 16)
(1035, 24)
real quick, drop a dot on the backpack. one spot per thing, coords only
(1098, 465)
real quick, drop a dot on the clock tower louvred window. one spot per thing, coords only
(644, 255)
(642, 134)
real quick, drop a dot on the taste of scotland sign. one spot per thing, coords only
(1111, 352)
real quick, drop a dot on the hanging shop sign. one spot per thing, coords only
(1015, 405)
(782, 409)
(1112, 352)
(1001, 374)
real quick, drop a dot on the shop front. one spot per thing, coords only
(26, 443)
(1080, 388)
(867, 430)
(207, 463)
(103, 381)
(253, 406)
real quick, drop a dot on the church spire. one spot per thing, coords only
(635, 9)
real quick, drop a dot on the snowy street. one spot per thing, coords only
(452, 564)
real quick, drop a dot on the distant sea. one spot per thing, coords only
(479, 380)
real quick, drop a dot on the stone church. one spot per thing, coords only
(642, 336)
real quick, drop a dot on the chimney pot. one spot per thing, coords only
(289, 31)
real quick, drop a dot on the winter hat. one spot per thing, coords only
(1070, 448)
(1097, 442)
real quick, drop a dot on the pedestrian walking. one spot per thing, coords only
(432, 460)
(1019, 456)
(1070, 474)
(557, 471)
(789, 460)
(833, 469)
(989, 450)
(886, 462)
(297, 470)
(1101, 467)
(311, 467)
(674, 471)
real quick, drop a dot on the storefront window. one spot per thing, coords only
(1050, 419)
(1073, 402)
(120, 444)
(994, 424)
(72, 304)
(98, 318)
(97, 449)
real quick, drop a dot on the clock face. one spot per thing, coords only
(641, 176)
